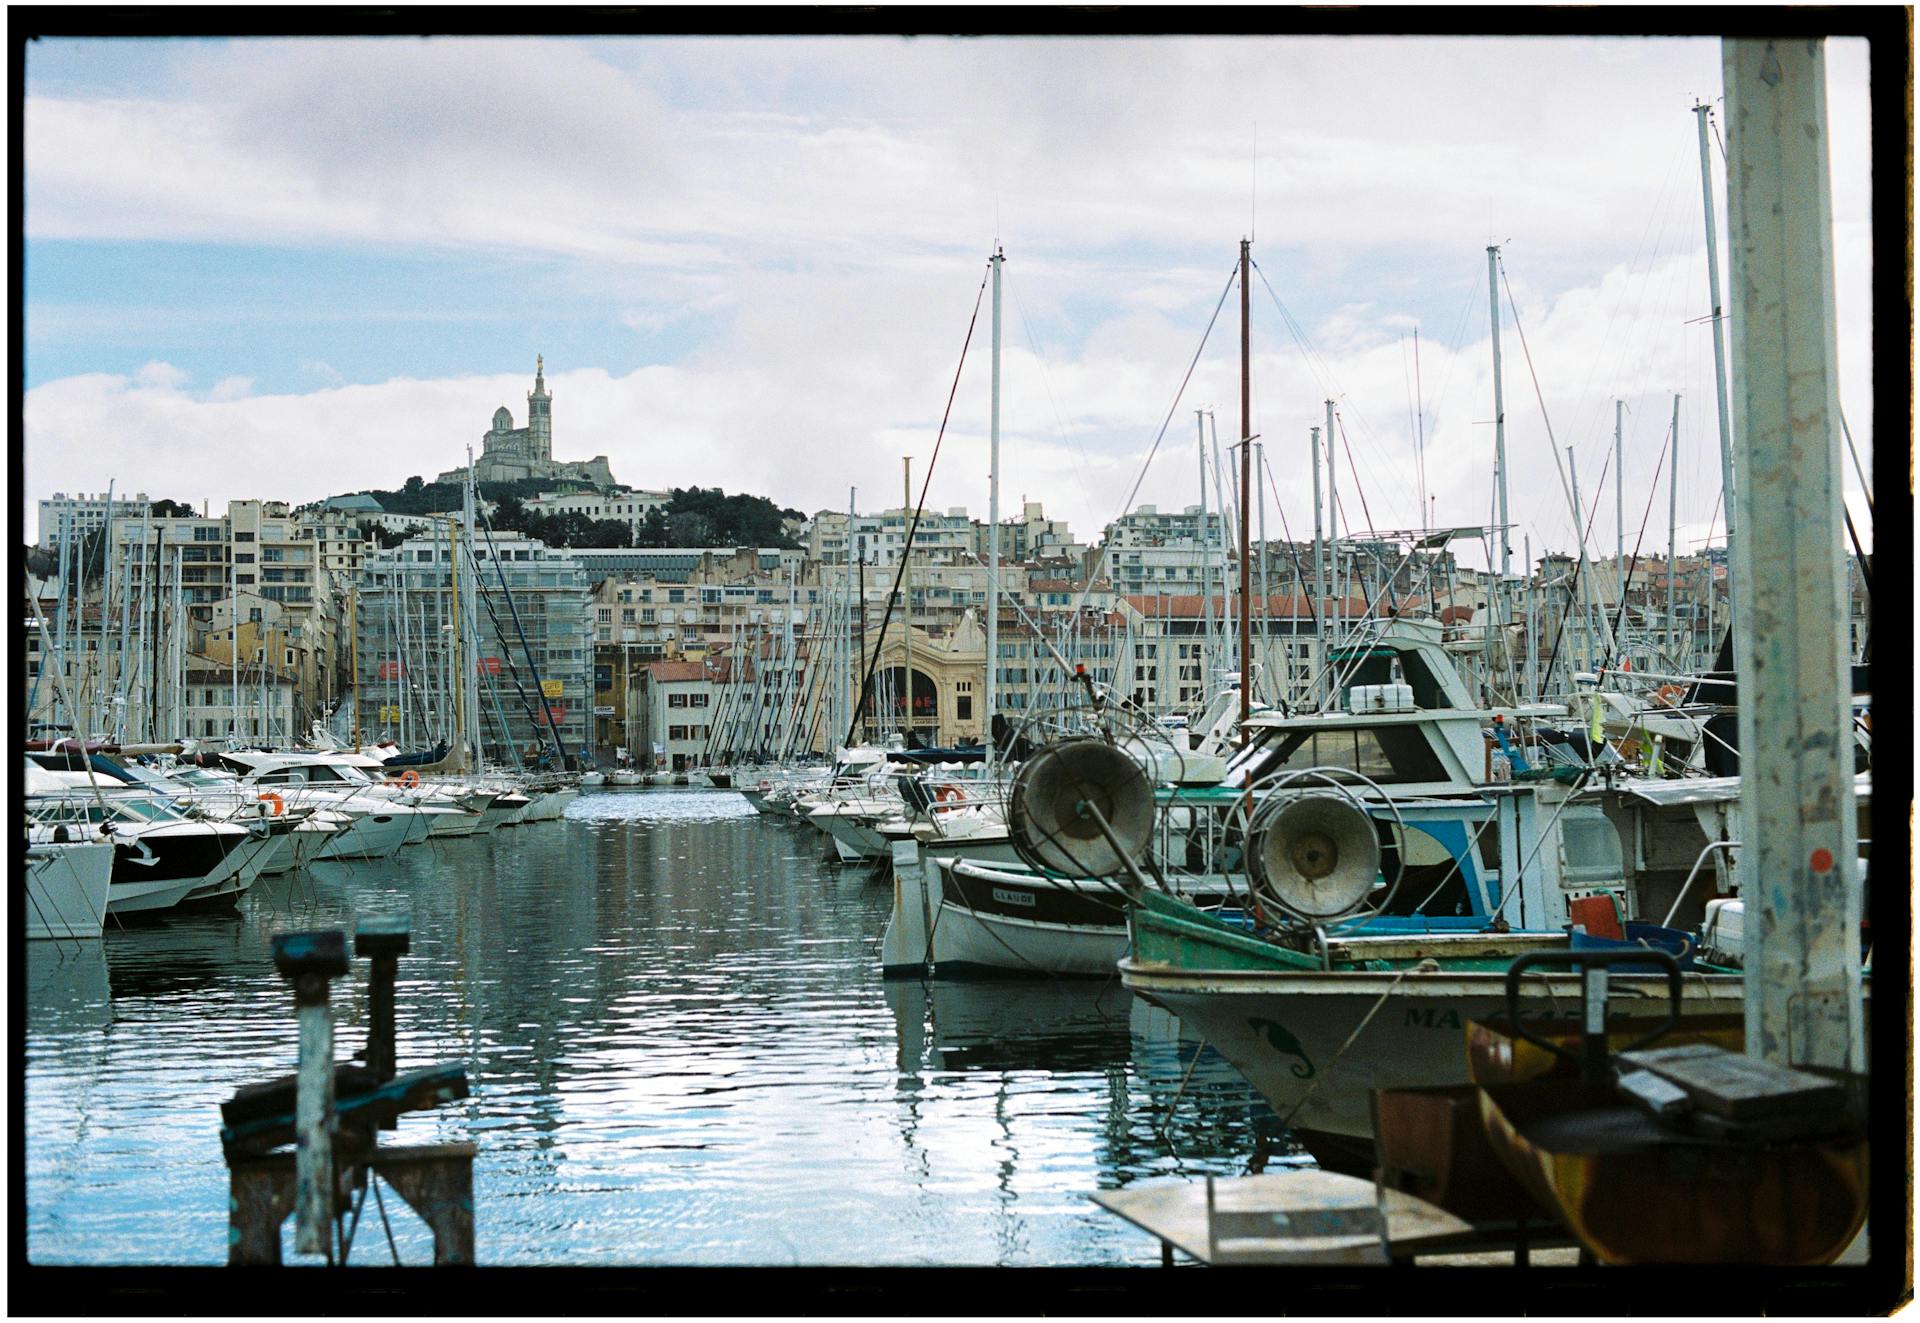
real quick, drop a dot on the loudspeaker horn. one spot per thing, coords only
(1316, 856)
(1044, 817)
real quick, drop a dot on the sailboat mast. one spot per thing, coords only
(1619, 511)
(353, 652)
(1319, 557)
(993, 520)
(1246, 479)
(1701, 111)
(906, 595)
(1335, 583)
(1497, 602)
(1206, 569)
(1673, 520)
(1266, 582)
(458, 681)
(467, 620)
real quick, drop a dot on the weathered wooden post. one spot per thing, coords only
(383, 939)
(1797, 871)
(310, 961)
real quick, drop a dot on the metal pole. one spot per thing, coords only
(1619, 514)
(1579, 532)
(1266, 582)
(993, 521)
(1673, 517)
(1319, 563)
(1498, 602)
(233, 654)
(1206, 568)
(1533, 636)
(1799, 866)
(1719, 345)
(1335, 582)
(906, 598)
(106, 610)
(1246, 484)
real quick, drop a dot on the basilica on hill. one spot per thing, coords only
(509, 452)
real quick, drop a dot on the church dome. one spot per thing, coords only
(502, 419)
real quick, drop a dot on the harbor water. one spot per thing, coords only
(680, 1052)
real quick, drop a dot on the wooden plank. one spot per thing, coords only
(1176, 1210)
(416, 1090)
(1739, 1087)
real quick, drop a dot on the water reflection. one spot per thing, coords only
(679, 1047)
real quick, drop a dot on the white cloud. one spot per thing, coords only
(160, 376)
(822, 385)
(815, 214)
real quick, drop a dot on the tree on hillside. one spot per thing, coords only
(172, 510)
(691, 528)
(653, 530)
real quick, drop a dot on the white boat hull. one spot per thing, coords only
(67, 888)
(372, 836)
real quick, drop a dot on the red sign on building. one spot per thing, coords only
(557, 712)
(391, 670)
(488, 666)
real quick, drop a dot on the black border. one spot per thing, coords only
(1874, 1290)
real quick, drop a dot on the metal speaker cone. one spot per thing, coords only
(1317, 856)
(1044, 818)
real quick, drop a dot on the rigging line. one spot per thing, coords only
(1046, 384)
(1340, 421)
(1639, 539)
(906, 549)
(1293, 553)
(1559, 468)
(1106, 548)
(1318, 365)
(1866, 488)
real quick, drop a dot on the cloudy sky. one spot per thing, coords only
(294, 268)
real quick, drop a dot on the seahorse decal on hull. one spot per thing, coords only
(1282, 1041)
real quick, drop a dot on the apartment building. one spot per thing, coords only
(76, 516)
(535, 645)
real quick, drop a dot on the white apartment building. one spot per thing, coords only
(878, 538)
(629, 508)
(80, 515)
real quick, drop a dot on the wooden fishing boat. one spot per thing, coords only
(1635, 1191)
(1695, 1154)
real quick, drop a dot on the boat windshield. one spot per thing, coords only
(1390, 755)
(145, 810)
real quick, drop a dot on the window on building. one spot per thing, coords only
(699, 700)
(676, 700)
(243, 537)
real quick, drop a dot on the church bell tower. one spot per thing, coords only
(539, 414)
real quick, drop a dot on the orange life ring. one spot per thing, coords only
(409, 778)
(1669, 694)
(274, 802)
(949, 794)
